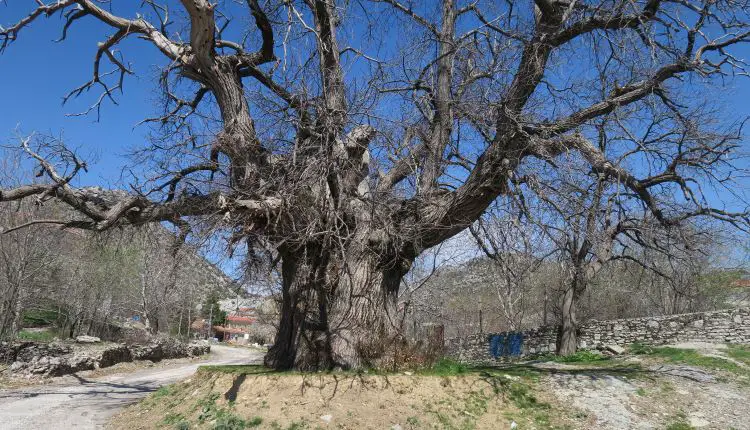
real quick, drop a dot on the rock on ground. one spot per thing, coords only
(58, 358)
(689, 372)
(604, 397)
(654, 396)
(615, 349)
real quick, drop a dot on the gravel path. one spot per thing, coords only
(660, 395)
(89, 403)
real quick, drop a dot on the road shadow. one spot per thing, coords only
(95, 388)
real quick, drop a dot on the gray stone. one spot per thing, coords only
(689, 372)
(88, 339)
(712, 327)
(151, 351)
(698, 422)
(615, 349)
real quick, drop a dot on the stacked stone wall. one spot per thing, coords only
(727, 326)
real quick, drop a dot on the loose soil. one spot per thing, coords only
(659, 390)
(214, 399)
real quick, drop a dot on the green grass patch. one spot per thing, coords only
(167, 397)
(36, 335)
(520, 394)
(163, 392)
(445, 367)
(172, 419)
(39, 317)
(688, 356)
(517, 390)
(679, 422)
(740, 353)
(223, 418)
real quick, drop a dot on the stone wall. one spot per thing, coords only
(727, 326)
(62, 358)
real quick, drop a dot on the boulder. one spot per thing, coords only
(88, 339)
(163, 347)
(57, 359)
(688, 372)
(31, 350)
(196, 349)
(151, 351)
(9, 350)
(116, 354)
(171, 348)
(614, 349)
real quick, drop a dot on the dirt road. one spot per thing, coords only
(89, 403)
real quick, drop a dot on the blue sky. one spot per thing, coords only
(36, 73)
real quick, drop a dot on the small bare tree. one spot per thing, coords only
(517, 250)
(592, 220)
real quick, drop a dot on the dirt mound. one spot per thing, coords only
(342, 401)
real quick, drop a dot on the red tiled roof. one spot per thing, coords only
(742, 283)
(198, 324)
(229, 330)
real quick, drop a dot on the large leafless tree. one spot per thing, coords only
(351, 136)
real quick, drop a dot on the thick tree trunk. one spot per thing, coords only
(6, 311)
(335, 313)
(567, 341)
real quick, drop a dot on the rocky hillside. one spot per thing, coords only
(79, 282)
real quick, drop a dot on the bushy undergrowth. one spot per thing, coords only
(37, 335)
(446, 367)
